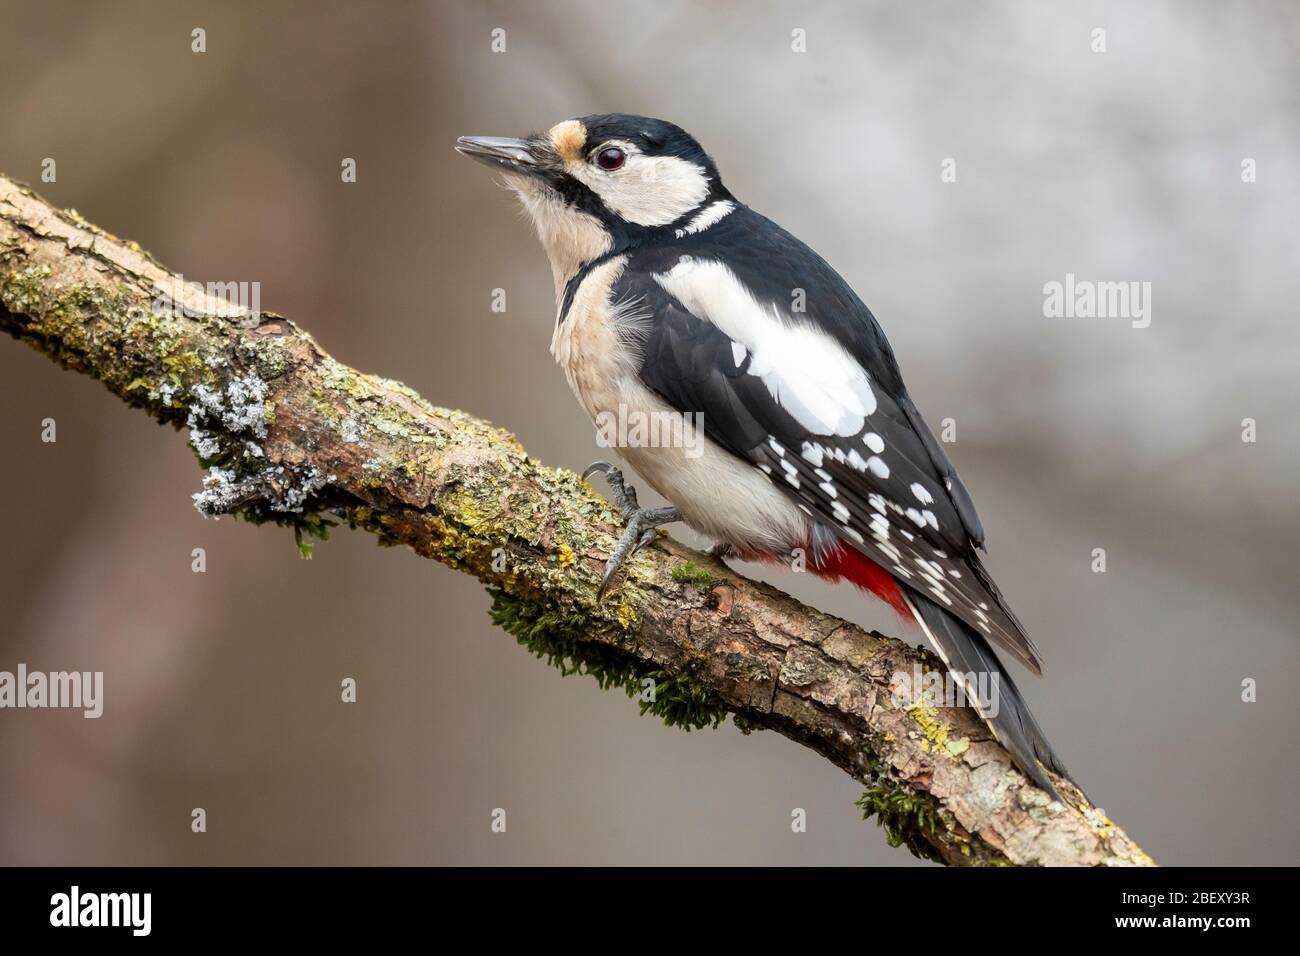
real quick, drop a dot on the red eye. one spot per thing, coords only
(610, 158)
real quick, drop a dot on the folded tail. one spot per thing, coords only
(965, 653)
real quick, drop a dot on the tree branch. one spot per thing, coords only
(290, 435)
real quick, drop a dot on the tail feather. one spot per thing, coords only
(965, 652)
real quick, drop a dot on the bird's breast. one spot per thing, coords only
(719, 494)
(586, 343)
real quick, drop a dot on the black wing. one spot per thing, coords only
(888, 489)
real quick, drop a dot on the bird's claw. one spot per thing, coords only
(623, 493)
(603, 467)
(641, 522)
(632, 541)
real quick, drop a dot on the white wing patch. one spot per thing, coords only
(807, 372)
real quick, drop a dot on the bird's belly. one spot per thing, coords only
(718, 494)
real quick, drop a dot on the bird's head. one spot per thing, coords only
(598, 181)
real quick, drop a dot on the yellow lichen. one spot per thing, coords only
(626, 615)
(935, 730)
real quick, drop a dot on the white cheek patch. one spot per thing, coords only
(647, 190)
(806, 371)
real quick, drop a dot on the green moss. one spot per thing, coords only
(97, 330)
(918, 821)
(23, 291)
(307, 528)
(688, 573)
(907, 818)
(55, 311)
(559, 639)
(180, 367)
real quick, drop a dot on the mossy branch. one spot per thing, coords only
(288, 434)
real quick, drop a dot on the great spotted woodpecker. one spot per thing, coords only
(675, 298)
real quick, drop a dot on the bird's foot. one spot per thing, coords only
(641, 522)
(623, 493)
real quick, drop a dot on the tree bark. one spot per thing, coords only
(292, 436)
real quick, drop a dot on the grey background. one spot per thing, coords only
(222, 688)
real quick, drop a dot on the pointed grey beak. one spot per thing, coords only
(516, 154)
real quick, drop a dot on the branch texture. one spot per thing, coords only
(288, 434)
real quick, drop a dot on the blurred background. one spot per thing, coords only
(222, 688)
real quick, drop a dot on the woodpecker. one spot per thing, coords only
(673, 297)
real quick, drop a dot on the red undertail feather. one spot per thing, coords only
(849, 564)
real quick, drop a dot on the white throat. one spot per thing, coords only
(571, 238)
